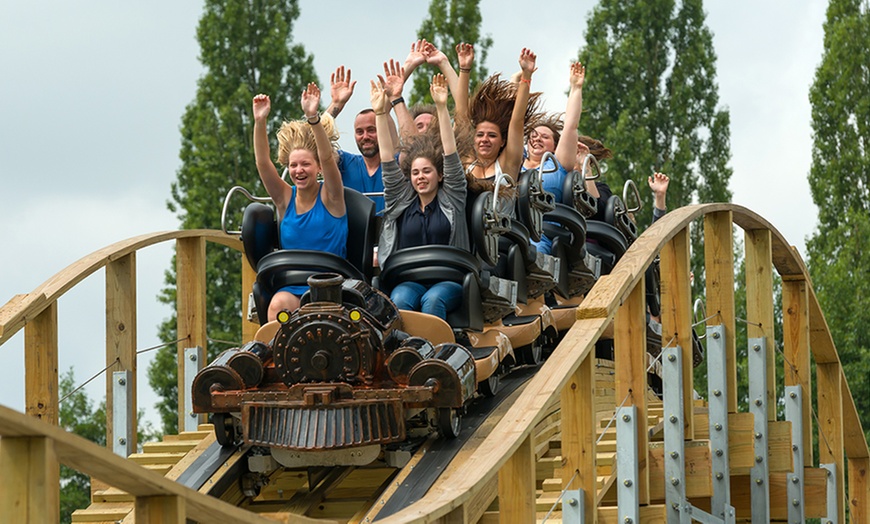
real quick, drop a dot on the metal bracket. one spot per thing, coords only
(627, 492)
(832, 502)
(717, 388)
(122, 409)
(573, 506)
(760, 472)
(675, 446)
(795, 483)
(694, 514)
(193, 362)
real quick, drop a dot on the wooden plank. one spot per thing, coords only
(854, 440)
(160, 510)
(815, 485)
(719, 263)
(759, 303)
(516, 485)
(578, 435)
(28, 485)
(40, 366)
(249, 276)
(830, 405)
(699, 471)
(859, 489)
(121, 338)
(796, 350)
(190, 298)
(676, 296)
(821, 343)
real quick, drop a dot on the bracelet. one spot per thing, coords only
(465, 70)
(526, 80)
(313, 122)
(397, 101)
(381, 113)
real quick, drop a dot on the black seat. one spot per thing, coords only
(566, 227)
(279, 268)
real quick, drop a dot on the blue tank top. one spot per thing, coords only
(315, 229)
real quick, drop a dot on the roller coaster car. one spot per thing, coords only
(339, 380)
(278, 268)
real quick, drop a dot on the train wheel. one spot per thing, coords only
(223, 429)
(533, 354)
(449, 422)
(489, 387)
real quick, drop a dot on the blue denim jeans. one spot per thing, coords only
(436, 299)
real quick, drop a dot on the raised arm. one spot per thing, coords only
(382, 122)
(658, 184)
(465, 53)
(415, 58)
(278, 190)
(438, 89)
(394, 81)
(340, 89)
(333, 189)
(566, 149)
(511, 157)
(440, 60)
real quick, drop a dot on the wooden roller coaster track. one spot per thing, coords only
(495, 479)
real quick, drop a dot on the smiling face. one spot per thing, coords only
(425, 178)
(366, 134)
(488, 141)
(541, 140)
(303, 168)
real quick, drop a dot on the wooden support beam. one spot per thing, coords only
(759, 303)
(830, 402)
(795, 329)
(40, 366)
(676, 293)
(719, 263)
(30, 479)
(859, 489)
(160, 510)
(191, 310)
(516, 485)
(630, 358)
(120, 335)
(578, 434)
(249, 276)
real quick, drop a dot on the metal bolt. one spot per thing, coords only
(794, 447)
(122, 381)
(192, 357)
(759, 459)
(675, 506)
(626, 418)
(122, 441)
(715, 334)
(756, 347)
(795, 479)
(795, 502)
(192, 414)
(717, 393)
(758, 436)
(627, 520)
(672, 357)
(572, 502)
(675, 482)
(717, 426)
(719, 476)
(673, 419)
(759, 481)
(627, 483)
(828, 472)
(674, 455)
(792, 395)
(719, 453)
(758, 402)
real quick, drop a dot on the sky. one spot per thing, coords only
(92, 94)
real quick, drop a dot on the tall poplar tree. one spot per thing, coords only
(839, 249)
(246, 47)
(651, 97)
(451, 22)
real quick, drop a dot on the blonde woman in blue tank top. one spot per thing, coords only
(312, 214)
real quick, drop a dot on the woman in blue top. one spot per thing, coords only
(313, 214)
(425, 200)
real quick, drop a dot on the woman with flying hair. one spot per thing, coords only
(311, 213)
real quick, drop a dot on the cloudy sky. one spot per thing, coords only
(92, 94)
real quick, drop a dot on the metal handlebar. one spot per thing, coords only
(590, 160)
(230, 193)
(630, 184)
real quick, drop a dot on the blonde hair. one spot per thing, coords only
(297, 134)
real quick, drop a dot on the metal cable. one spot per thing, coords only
(88, 381)
(139, 352)
(553, 507)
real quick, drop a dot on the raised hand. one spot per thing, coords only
(527, 62)
(438, 89)
(261, 106)
(393, 79)
(577, 75)
(433, 55)
(341, 86)
(417, 56)
(465, 52)
(379, 97)
(658, 183)
(311, 100)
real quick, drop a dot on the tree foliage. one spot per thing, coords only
(651, 97)
(246, 48)
(839, 250)
(451, 22)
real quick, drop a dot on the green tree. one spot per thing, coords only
(246, 48)
(451, 22)
(651, 96)
(839, 252)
